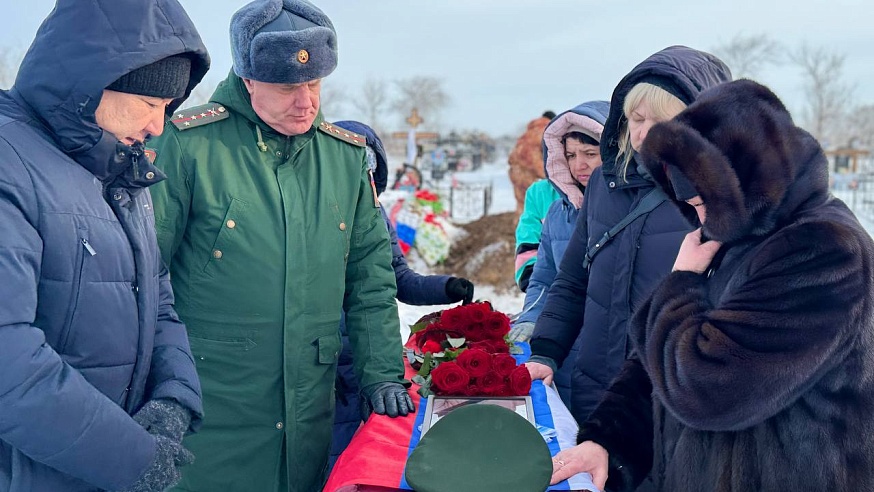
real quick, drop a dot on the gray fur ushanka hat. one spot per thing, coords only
(283, 42)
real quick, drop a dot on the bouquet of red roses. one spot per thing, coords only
(465, 351)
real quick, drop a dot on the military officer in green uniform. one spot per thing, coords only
(270, 227)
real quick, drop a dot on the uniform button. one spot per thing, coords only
(150, 175)
(116, 196)
(279, 425)
(278, 153)
(342, 226)
(231, 223)
(217, 254)
(613, 184)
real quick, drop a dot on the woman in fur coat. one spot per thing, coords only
(753, 366)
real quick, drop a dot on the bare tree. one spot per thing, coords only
(10, 59)
(860, 126)
(373, 103)
(747, 55)
(333, 100)
(425, 94)
(828, 96)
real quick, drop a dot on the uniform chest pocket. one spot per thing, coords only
(228, 235)
(343, 229)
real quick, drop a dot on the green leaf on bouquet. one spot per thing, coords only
(421, 381)
(424, 321)
(424, 386)
(425, 370)
(417, 327)
(455, 342)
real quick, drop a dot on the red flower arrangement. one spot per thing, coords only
(465, 351)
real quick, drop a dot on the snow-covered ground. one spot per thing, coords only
(503, 200)
(496, 173)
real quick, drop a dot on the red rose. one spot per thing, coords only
(497, 325)
(505, 389)
(503, 364)
(484, 346)
(491, 383)
(434, 333)
(478, 311)
(500, 347)
(453, 318)
(449, 379)
(473, 331)
(432, 347)
(520, 381)
(472, 390)
(476, 362)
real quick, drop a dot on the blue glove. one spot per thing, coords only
(164, 417)
(163, 472)
(386, 398)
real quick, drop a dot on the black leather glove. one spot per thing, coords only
(163, 473)
(163, 417)
(386, 398)
(459, 289)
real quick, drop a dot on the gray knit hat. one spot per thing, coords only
(283, 42)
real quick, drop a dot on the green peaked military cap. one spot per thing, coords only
(480, 448)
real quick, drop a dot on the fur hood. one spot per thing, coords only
(750, 164)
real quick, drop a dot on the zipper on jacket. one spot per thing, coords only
(88, 247)
(76, 285)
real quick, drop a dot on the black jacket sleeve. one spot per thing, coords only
(560, 321)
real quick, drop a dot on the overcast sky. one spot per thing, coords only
(506, 61)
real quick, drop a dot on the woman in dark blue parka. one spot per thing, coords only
(596, 303)
(88, 334)
(413, 288)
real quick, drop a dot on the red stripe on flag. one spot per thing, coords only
(378, 453)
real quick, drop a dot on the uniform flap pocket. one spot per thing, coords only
(329, 349)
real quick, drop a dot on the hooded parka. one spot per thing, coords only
(87, 328)
(269, 238)
(561, 217)
(598, 302)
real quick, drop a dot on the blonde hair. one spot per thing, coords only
(662, 105)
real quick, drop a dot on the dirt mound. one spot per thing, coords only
(486, 254)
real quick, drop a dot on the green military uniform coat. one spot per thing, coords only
(268, 239)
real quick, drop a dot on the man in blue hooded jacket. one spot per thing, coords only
(98, 381)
